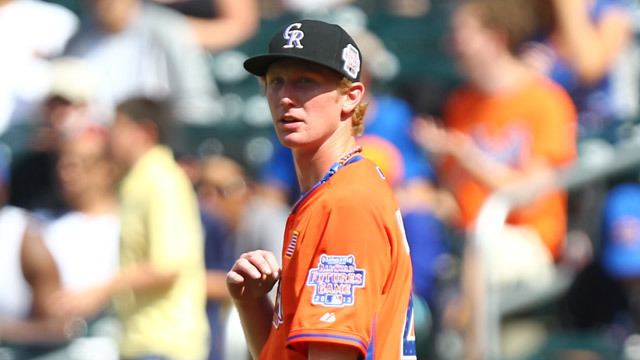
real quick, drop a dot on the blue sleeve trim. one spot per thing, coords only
(328, 336)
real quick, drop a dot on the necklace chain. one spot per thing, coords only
(349, 155)
(340, 163)
(336, 166)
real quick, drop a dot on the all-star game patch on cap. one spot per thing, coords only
(311, 40)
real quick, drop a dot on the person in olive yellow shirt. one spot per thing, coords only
(159, 292)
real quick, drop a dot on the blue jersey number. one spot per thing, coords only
(409, 334)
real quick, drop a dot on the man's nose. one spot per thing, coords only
(287, 95)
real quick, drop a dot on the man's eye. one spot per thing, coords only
(275, 81)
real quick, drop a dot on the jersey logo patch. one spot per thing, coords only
(335, 280)
(292, 244)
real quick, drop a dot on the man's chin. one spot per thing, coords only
(290, 140)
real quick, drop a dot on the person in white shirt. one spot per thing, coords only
(29, 279)
(31, 33)
(139, 48)
(85, 241)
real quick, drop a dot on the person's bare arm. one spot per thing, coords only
(40, 271)
(590, 47)
(143, 276)
(41, 331)
(88, 302)
(236, 21)
(256, 318)
(217, 285)
(324, 351)
(492, 174)
(249, 281)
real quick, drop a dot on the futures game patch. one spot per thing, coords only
(335, 280)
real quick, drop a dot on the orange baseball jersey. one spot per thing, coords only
(346, 272)
(538, 121)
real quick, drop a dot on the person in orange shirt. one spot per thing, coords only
(344, 289)
(507, 125)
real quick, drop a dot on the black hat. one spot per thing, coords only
(311, 40)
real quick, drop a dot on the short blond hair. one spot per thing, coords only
(357, 119)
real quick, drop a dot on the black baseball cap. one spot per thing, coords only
(311, 40)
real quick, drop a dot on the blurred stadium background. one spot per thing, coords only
(422, 73)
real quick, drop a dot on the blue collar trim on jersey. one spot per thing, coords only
(351, 157)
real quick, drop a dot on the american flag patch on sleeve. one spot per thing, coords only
(292, 244)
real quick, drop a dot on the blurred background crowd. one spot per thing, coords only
(137, 161)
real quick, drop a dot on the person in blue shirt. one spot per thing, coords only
(599, 315)
(578, 46)
(235, 220)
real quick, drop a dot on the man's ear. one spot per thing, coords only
(354, 95)
(151, 130)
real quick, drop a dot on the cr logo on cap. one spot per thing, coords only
(293, 34)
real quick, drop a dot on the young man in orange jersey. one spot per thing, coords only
(345, 280)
